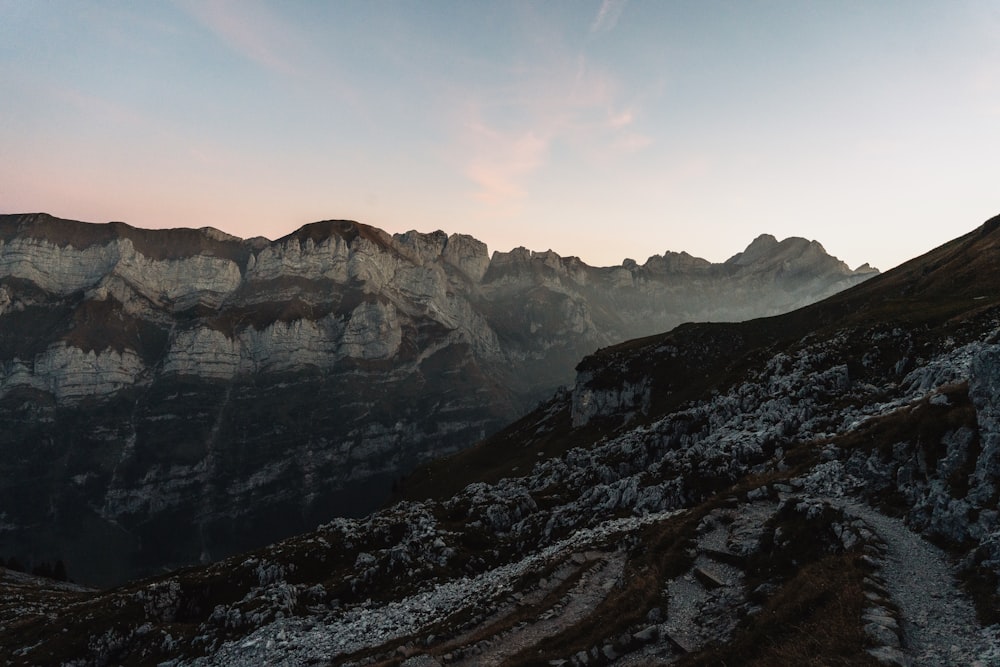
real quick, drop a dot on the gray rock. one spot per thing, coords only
(881, 618)
(421, 661)
(647, 635)
(890, 656)
(881, 635)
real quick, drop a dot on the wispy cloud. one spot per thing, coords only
(512, 133)
(501, 161)
(251, 30)
(257, 32)
(621, 119)
(607, 16)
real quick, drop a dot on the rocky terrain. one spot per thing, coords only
(175, 396)
(815, 488)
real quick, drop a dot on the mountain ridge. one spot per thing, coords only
(207, 388)
(62, 231)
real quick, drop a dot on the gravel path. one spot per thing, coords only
(592, 588)
(938, 622)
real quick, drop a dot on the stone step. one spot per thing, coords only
(726, 557)
(676, 643)
(708, 579)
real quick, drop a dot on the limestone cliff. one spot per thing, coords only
(180, 394)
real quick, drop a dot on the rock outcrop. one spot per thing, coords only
(181, 394)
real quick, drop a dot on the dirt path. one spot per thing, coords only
(581, 600)
(938, 621)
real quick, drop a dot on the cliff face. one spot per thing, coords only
(178, 395)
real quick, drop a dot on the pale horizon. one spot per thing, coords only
(603, 130)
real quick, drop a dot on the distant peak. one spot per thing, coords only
(758, 249)
(349, 230)
(218, 234)
(764, 239)
(766, 251)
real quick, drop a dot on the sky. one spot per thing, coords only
(603, 129)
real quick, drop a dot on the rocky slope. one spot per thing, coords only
(179, 395)
(755, 493)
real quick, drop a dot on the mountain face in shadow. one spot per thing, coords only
(818, 487)
(179, 395)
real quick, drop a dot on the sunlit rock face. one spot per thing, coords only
(177, 395)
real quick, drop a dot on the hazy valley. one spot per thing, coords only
(181, 395)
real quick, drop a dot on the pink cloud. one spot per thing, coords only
(501, 161)
(509, 133)
(620, 119)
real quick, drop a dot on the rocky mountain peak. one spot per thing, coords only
(219, 235)
(762, 246)
(467, 254)
(347, 230)
(676, 262)
(791, 255)
(766, 249)
(518, 255)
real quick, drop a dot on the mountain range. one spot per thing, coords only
(174, 396)
(814, 488)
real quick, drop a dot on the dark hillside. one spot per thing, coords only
(933, 295)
